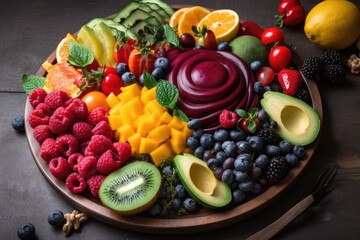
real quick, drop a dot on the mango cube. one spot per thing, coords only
(161, 153)
(147, 145)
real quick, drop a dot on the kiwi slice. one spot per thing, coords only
(131, 189)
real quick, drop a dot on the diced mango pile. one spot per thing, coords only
(137, 118)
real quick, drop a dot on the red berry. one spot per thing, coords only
(42, 132)
(102, 128)
(75, 183)
(37, 96)
(108, 162)
(228, 119)
(87, 166)
(45, 108)
(67, 144)
(98, 145)
(123, 150)
(38, 117)
(94, 183)
(265, 76)
(74, 159)
(56, 99)
(82, 131)
(60, 168)
(59, 123)
(250, 28)
(97, 115)
(48, 150)
(79, 110)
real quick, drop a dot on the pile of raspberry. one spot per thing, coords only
(77, 144)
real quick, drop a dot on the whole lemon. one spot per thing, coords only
(333, 24)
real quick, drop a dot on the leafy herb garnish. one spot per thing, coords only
(30, 82)
(149, 80)
(79, 55)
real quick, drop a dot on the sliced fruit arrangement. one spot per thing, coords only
(172, 109)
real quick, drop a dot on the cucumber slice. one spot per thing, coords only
(107, 39)
(161, 4)
(137, 15)
(139, 26)
(125, 12)
(88, 37)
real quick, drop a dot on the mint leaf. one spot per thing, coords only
(171, 36)
(180, 114)
(149, 80)
(30, 82)
(79, 55)
(167, 94)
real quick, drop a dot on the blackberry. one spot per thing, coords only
(331, 56)
(311, 67)
(303, 94)
(269, 136)
(276, 170)
(333, 73)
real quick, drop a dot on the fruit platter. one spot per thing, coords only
(168, 118)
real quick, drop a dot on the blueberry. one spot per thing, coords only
(285, 146)
(189, 204)
(291, 159)
(155, 209)
(167, 170)
(256, 188)
(267, 88)
(163, 63)
(26, 231)
(128, 78)
(255, 66)
(227, 176)
(18, 123)
(246, 186)
(217, 147)
(56, 218)
(212, 163)
(272, 151)
(199, 152)
(273, 124)
(163, 192)
(265, 124)
(192, 142)
(158, 73)
(243, 147)
(240, 176)
(242, 162)
(218, 172)
(256, 143)
(176, 203)
(208, 154)
(221, 135)
(180, 191)
(197, 47)
(122, 68)
(299, 151)
(221, 156)
(230, 149)
(223, 46)
(229, 163)
(261, 161)
(141, 80)
(194, 124)
(255, 173)
(238, 196)
(237, 135)
(258, 87)
(197, 133)
(207, 141)
(262, 115)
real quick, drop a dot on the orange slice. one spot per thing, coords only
(175, 18)
(61, 76)
(62, 50)
(224, 23)
(191, 17)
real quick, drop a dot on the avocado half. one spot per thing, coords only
(297, 121)
(200, 182)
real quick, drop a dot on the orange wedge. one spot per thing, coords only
(191, 17)
(62, 50)
(61, 76)
(175, 18)
(224, 23)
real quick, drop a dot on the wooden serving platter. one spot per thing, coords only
(202, 220)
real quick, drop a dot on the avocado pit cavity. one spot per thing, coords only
(202, 178)
(294, 119)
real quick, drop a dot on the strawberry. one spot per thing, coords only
(141, 60)
(290, 81)
(123, 47)
(250, 28)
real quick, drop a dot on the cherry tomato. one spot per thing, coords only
(265, 76)
(272, 35)
(279, 58)
(111, 83)
(187, 40)
(93, 66)
(286, 5)
(95, 99)
(122, 50)
(110, 70)
(294, 16)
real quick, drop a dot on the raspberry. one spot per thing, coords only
(123, 150)
(64, 112)
(48, 150)
(108, 162)
(75, 183)
(82, 131)
(83, 146)
(228, 119)
(37, 96)
(45, 108)
(87, 166)
(66, 144)
(38, 117)
(102, 128)
(42, 132)
(74, 159)
(79, 109)
(59, 123)
(56, 99)
(94, 183)
(98, 145)
(60, 168)
(97, 115)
